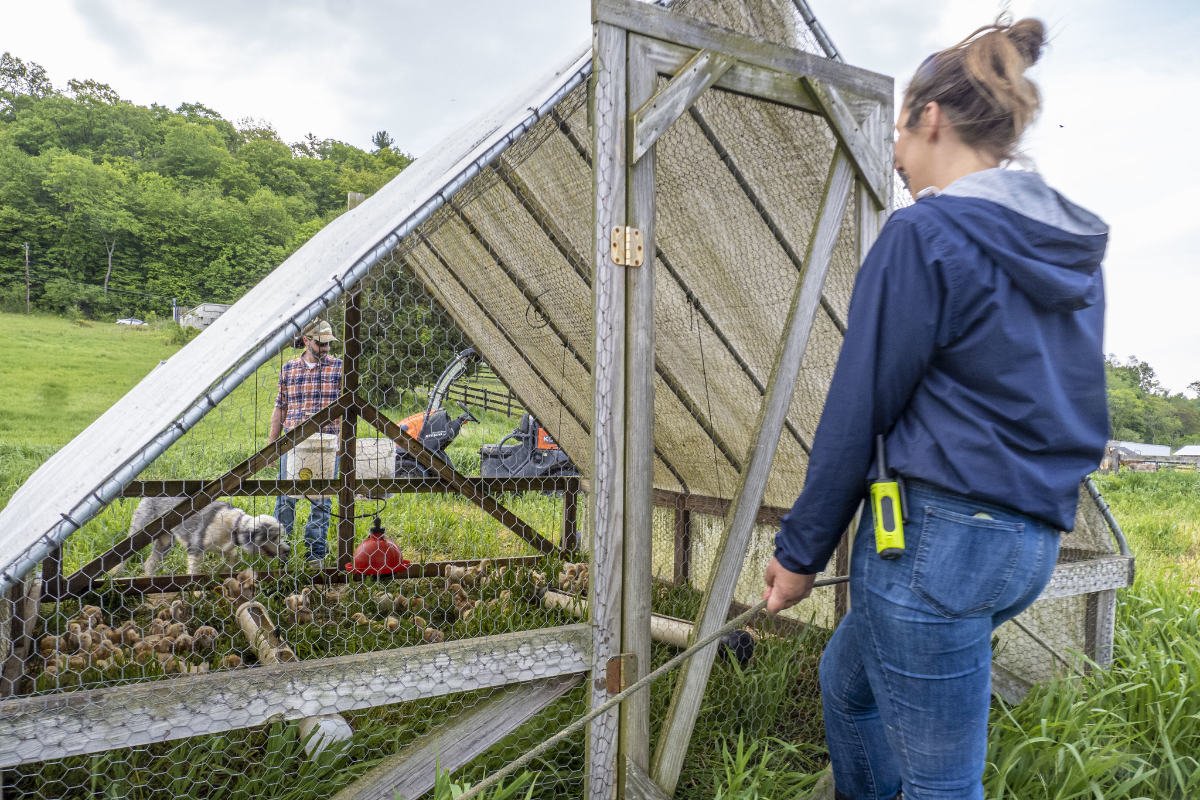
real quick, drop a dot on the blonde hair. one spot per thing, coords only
(980, 85)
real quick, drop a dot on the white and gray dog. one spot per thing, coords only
(218, 527)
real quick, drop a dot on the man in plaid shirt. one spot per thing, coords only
(307, 384)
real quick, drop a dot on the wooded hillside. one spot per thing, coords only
(125, 207)
(1143, 411)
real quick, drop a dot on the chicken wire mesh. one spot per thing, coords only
(144, 665)
(461, 428)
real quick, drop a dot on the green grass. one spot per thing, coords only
(1160, 515)
(59, 376)
(1129, 732)
(1132, 731)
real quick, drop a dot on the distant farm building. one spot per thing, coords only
(1139, 449)
(1142, 457)
(202, 315)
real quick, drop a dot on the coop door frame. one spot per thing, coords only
(634, 44)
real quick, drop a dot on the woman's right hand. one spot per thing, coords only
(784, 587)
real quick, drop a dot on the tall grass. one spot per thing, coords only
(1130, 731)
(1160, 514)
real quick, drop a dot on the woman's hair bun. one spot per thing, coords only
(1028, 36)
(981, 84)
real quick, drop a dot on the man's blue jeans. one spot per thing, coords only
(906, 678)
(316, 530)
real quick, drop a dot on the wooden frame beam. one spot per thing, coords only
(748, 80)
(93, 721)
(347, 438)
(639, 785)
(864, 154)
(412, 773)
(1097, 574)
(609, 118)
(731, 552)
(805, 93)
(81, 579)
(651, 20)
(326, 576)
(655, 115)
(254, 487)
(641, 366)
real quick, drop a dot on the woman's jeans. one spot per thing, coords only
(316, 530)
(906, 678)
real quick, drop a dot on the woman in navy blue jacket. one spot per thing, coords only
(974, 347)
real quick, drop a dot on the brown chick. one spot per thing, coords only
(180, 611)
(205, 639)
(143, 651)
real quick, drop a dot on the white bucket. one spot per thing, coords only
(315, 458)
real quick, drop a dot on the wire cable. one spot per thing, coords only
(741, 619)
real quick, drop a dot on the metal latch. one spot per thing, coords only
(627, 247)
(619, 672)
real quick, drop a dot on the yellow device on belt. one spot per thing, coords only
(887, 505)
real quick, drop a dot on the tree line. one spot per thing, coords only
(1142, 410)
(120, 207)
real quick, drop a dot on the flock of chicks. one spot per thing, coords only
(446, 600)
(455, 596)
(172, 640)
(167, 639)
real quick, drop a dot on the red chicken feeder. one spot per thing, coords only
(377, 555)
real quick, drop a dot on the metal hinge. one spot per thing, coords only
(627, 247)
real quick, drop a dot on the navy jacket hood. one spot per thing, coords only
(1050, 247)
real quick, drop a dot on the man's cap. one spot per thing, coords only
(319, 331)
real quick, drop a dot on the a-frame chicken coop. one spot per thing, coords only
(651, 254)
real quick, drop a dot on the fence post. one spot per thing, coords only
(608, 375)
(682, 573)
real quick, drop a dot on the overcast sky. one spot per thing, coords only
(1120, 83)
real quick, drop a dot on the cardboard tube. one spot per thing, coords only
(317, 732)
(668, 630)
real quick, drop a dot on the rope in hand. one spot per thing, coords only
(741, 619)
